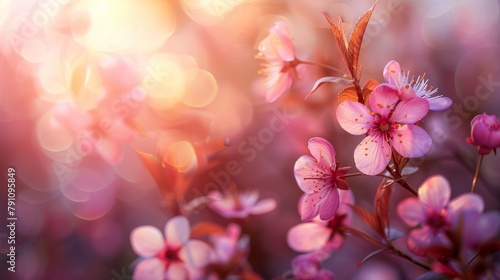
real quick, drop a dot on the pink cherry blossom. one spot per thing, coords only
(389, 123)
(322, 237)
(320, 177)
(239, 205)
(279, 52)
(171, 256)
(308, 267)
(434, 213)
(230, 251)
(478, 228)
(229, 245)
(485, 133)
(395, 77)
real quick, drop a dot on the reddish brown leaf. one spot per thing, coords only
(367, 217)
(341, 41)
(206, 228)
(382, 198)
(349, 93)
(355, 40)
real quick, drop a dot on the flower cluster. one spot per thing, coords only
(447, 237)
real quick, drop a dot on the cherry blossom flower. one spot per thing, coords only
(279, 52)
(478, 228)
(485, 133)
(395, 77)
(230, 251)
(169, 257)
(390, 123)
(434, 212)
(320, 177)
(239, 205)
(308, 267)
(322, 237)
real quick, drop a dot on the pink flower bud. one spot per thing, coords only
(485, 133)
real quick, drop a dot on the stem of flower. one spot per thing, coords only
(299, 61)
(401, 181)
(476, 175)
(398, 253)
(352, 175)
(388, 246)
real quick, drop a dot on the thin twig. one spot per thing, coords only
(476, 174)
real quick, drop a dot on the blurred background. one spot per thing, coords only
(86, 84)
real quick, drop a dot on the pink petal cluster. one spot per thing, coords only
(239, 205)
(319, 177)
(279, 52)
(322, 237)
(308, 267)
(435, 214)
(172, 256)
(389, 124)
(406, 87)
(230, 251)
(485, 133)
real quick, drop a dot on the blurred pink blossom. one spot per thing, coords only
(230, 251)
(169, 257)
(410, 88)
(434, 212)
(279, 52)
(390, 123)
(239, 205)
(478, 228)
(485, 133)
(308, 267)
(320, 177)
(321, 236)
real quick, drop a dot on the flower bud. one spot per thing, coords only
(485, 133)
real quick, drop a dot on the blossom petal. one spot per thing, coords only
(329, 204)
(372, 155)
(308, 174)
(439, 103)
(435, 192)
(177, 231)
(411, 110)
(411, 211)
(195, 253)
(392, 73)
(383, 99)
(421, 239)
(277, 85)
(311, 203)
(466, 202)
(149, 269)
(263, 206)
(308, 237)
(411, 141)
(322, 151)
(307, 209)
(354, 117)
(176, 271)
(146, 241)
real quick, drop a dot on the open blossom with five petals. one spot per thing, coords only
(406, 87)
(322, 237)
(389, 123)
(435, 214)
(320, 177)
(485, 133)
(279, 52)
(239, 205)
(169, 257)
